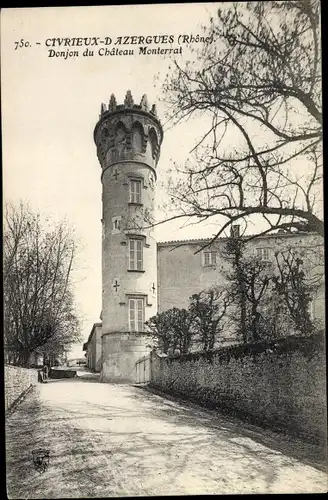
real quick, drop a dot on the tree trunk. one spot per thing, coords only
(243, 316)
(24, 358)
(254, 324)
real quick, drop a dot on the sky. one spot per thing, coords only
(50, 106)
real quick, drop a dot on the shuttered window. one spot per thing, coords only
(209, 258)
(136, 314)
(263, 254)
(135, 254)
(135, 191)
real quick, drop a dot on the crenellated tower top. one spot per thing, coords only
(128, 104)
(128, 131)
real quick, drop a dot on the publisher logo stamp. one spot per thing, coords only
(41, 459)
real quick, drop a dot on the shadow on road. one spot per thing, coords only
(126, 439)
(189, 413)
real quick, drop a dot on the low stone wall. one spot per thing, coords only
(17, 381)
(62, 373)
(282, 383)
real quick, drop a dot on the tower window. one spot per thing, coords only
(135, 254)
(135, 191)
(136, 314)
(116, 228)
(137, 138)
(209, 258)
(153, 142)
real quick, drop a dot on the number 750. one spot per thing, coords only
(21, 43)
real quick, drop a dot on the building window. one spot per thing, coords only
(135, 254)
(263, 254)
(136, 314)
(209, 258)
(135, 191)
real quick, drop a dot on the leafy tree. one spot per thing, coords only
(208, 308)
(38, 300)
(161, 332)
(172, 330)
(258, 84)
(182, 322)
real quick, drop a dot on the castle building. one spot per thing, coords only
(140, 276)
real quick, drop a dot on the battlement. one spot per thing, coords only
(128, 104)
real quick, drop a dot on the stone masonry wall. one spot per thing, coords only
(284, 385)
(120, 353)
(17, 381)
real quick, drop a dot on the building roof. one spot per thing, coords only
(90, 335)
(207, 240)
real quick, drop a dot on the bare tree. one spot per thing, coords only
(258, 82)
(38, 298)
(233, 252)
(208, 308)
(296, 289)
(248, 281)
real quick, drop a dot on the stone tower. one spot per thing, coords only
(128, 138)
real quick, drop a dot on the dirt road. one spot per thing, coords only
(114, 440)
